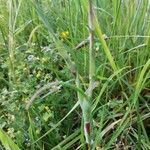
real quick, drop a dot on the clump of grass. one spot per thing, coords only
(108, 78)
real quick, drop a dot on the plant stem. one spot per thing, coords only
(11, 43)
(91, 45)
(86, 105)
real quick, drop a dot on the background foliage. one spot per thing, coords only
(36, 38)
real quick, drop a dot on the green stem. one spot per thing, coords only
(11, 43)
(91, 45)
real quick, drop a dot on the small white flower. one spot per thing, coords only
(30, 58)
(37, 119)
(46, 48)
(10, 131)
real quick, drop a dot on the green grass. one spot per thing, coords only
(36, 50)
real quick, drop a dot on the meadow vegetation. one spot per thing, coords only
(50, 91)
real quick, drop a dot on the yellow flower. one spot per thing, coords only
(64, 34)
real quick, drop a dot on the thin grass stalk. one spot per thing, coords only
(86, 113)
(11, 43)
(86, 105)
(91, 46)
(106, 48)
